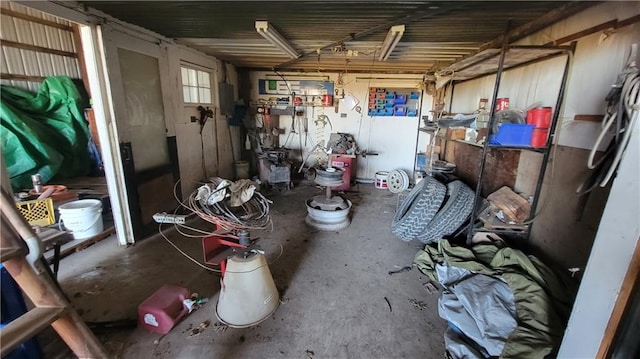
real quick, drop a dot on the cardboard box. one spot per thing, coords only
(436, 149)
(455, 133)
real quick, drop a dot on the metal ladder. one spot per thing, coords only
(51, 306)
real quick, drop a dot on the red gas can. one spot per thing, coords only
(162, 310)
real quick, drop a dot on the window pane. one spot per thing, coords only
(185, 94)
(185, 75)
(205, 95)
(193, 77)
(194, 94)
(203, 79)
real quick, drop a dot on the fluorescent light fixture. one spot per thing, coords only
(390, 42)
(268, 32)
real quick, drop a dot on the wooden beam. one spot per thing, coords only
(20, 77)
(38, 20)
(613, 24)
(19, 45)
(536, 25)
(26, 326)
(589, 118)
(628, 284)
(77, 40)
(548, 19)
(42, 291)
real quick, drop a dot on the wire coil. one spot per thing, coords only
(251, 215)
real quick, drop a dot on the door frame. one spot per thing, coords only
(92, 45)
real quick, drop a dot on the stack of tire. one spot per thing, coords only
(433, 210)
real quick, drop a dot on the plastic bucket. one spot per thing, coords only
(539, 137)
(83, 218)
(381, 179)
(242, 169)
(541, 119)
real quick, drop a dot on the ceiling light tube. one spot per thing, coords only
(393, 37)
(268, 32)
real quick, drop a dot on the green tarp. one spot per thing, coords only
(45, 132)
(543, 298)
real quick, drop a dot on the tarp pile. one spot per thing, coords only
(44, 133)
(497, 300)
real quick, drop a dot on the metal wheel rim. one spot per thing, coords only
(397, 181)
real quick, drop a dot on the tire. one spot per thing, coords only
(417, 210)
(453, 214)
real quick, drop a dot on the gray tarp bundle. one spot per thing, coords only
(509, 304)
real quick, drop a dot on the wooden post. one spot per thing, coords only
(41, 290)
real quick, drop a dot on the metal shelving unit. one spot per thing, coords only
(496, 61)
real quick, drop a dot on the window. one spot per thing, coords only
(196, 86)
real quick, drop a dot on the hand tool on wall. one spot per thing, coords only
(205, 113)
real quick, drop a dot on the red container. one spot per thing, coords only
(163, 309)
(541, 119)
(347, 163)
(327, 100)
(502, 104)
(539, 137)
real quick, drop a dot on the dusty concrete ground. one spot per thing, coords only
(333, 286)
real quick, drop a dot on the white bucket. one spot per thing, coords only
(242, 169)
(83, 218)
(381, 179)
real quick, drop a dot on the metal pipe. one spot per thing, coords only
(485, 148)
(550, 139)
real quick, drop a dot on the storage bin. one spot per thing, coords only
(380, 107)
(372, 90)
(389, 103)
(388, 111)
(412, 112)
(414, 95)
(390, 96)
(382, 95)
(512, 134)
(400, 99)
(400, 110)
(381, 90)
(37, 212)
(421, 160)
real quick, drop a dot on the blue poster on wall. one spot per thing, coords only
(300, 87)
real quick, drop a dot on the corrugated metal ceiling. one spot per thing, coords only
(445, 32)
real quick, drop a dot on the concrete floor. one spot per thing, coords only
(333, 287)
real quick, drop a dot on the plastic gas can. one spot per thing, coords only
(163, 309)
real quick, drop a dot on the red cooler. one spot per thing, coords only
(541, 119)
